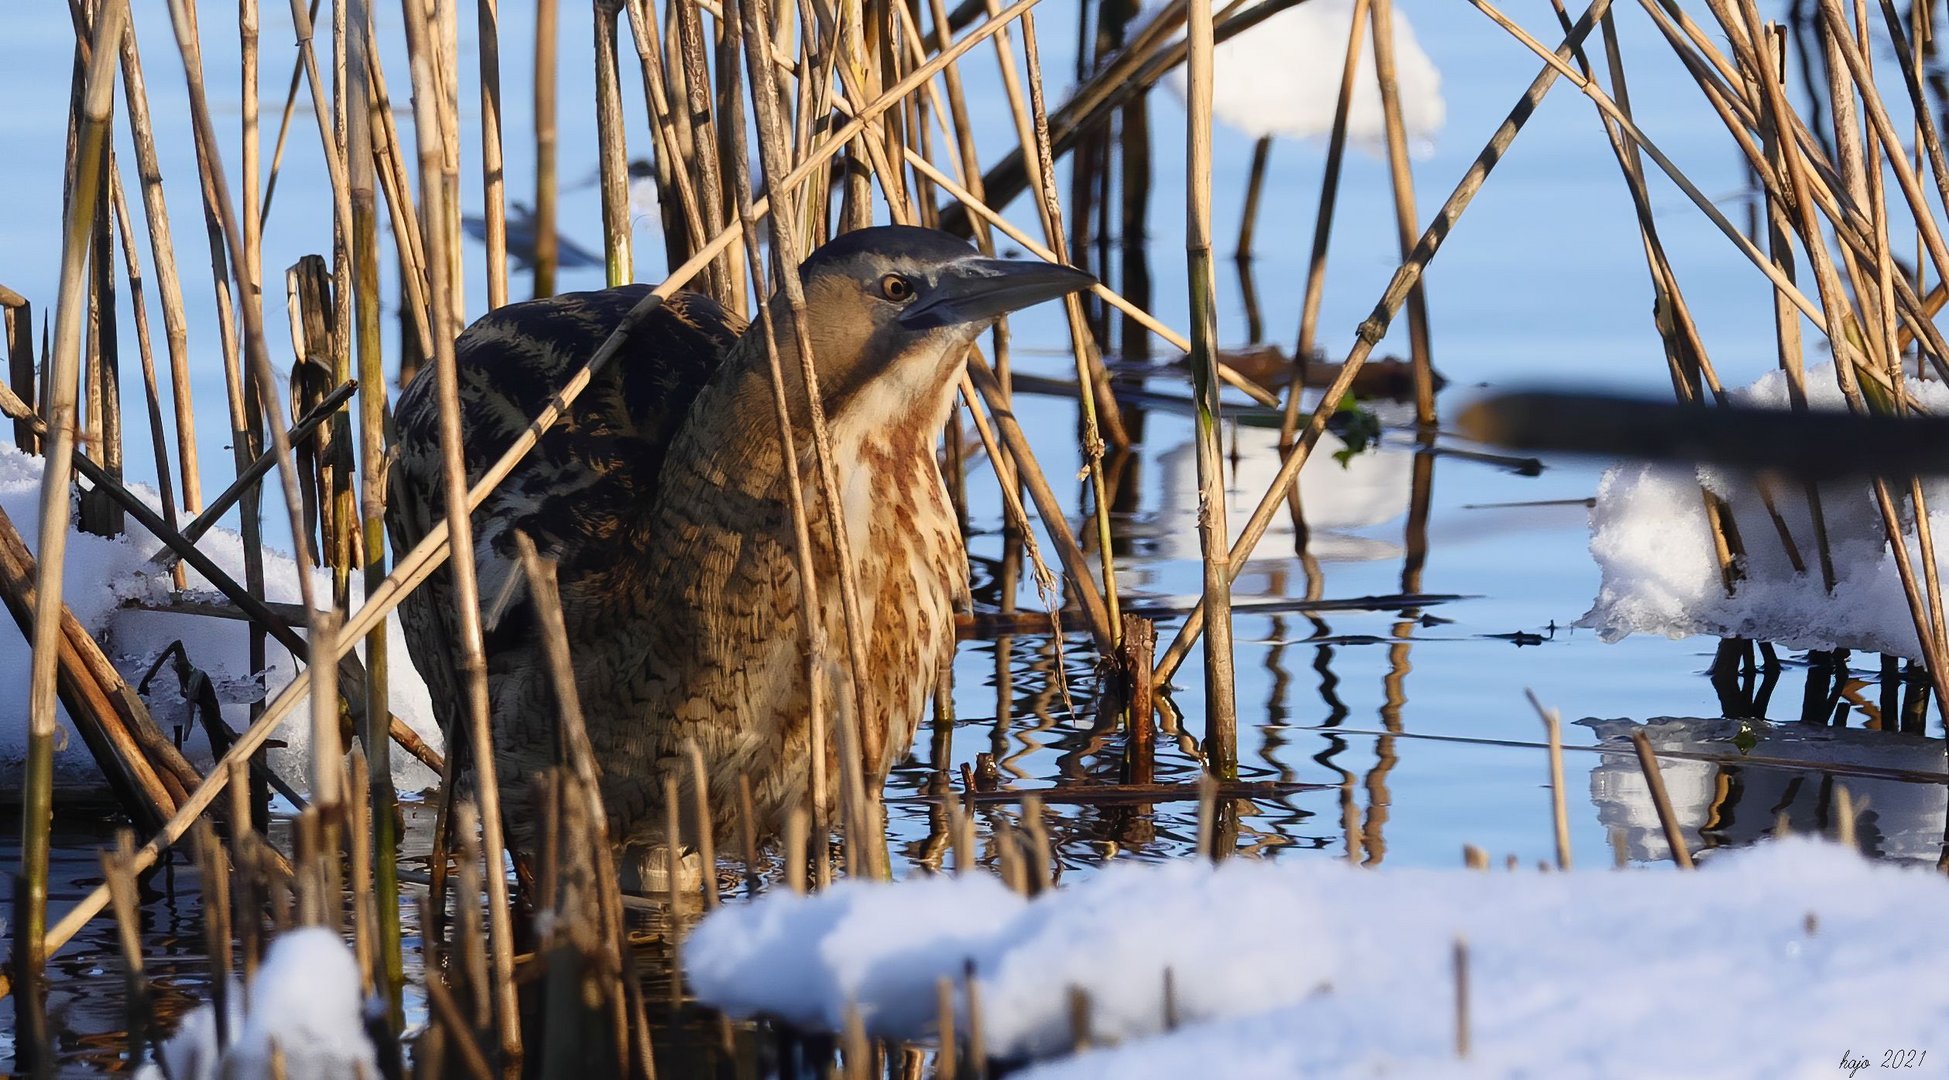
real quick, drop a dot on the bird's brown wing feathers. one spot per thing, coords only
(592, 477)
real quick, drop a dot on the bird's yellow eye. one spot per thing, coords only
(896, 288)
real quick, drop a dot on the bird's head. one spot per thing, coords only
(891, 310)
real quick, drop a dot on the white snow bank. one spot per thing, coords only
(1314, 968)
(105, 574)
(1649, 536)
(1282, 77)
(305, 1002)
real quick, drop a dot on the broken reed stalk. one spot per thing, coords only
(1654, 778)
(417, 564)
(1375, 326)
(1309, 312)
(546, 254)
(1381, 12)
(1221, 724)
(1461, 965)
(700, 795)
(169, 289)
(62, 387)
(126, 895)
(493, 174)
(364, 225)
(151, 392)
(435, 185)
(1559, 803)
(612, 154)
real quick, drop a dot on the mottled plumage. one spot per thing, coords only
(662, 497)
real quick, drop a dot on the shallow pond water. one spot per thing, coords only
(1400, 725)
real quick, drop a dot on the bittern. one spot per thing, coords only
(661, 496)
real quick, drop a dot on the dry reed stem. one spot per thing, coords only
(546, 138)
(243, 264)
(126, 896)
(1032, 125)
(1844, 824)
(436, 175)
(37, 794)
(748, 837)
(151, 392)
(683, 222)
(289, 111)
(1654, 778)
(673, 875)
(1095, 391)
(1207, 815)
(988, 389)
(946, 1063)
(793, 851)
(1461, 966)
(700, 793)
(1381, 13)
(169, 289)
(1221, 724)
(977, 1046)
(752, 14)
(493, 171)
(365, 248)
(1309, 312)
(580, 755)
(612, 154)
(1559, 805)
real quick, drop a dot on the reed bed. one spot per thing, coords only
(860, 113)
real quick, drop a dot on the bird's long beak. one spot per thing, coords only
(976, 290)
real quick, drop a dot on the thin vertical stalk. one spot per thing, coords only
(138, 305)
(1382, 15)
(547, 37)
(703, 135)
(61, 391)
(169, 288)
(493, 175)
(613, 154)
(391, 973)
(1079, 338)
(1309, 312)
(435, 184)
(1221, 724)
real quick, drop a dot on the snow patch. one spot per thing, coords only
(1314, 968)
(1648, 533)
(104, 576)
(1282, 77)
(305, 1003)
